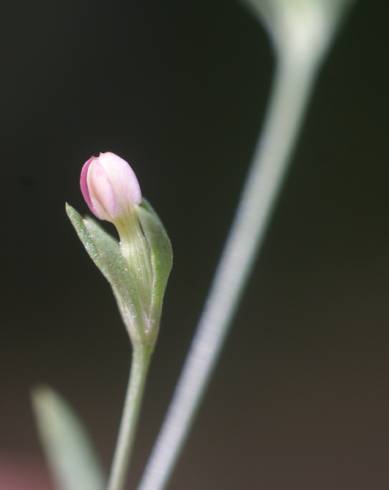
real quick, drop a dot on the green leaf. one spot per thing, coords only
(139, 295)
(106, 254)
(69, 453)
(161, 254)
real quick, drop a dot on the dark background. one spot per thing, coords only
(300, 398)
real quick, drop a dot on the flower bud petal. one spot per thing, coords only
(109, 186)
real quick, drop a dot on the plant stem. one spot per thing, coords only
(127, 431)
(290, 94)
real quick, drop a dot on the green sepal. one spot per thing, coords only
(69, 452)
(105, 252)
(161, 256)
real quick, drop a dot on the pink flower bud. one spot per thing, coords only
(109, 186)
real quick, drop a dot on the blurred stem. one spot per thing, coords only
(127, 431)
(290, 95)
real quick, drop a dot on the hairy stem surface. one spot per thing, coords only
(127, 431)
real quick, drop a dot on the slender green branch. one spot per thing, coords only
(134, 396)
(301, 33)
(291, 90)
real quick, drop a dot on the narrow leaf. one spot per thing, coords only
(69, 453)
(160, 249)
(105, 253)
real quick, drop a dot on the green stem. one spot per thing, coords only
(127, 431)
(291, 90)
